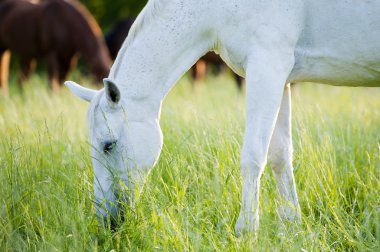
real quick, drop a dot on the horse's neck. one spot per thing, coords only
(150, 63)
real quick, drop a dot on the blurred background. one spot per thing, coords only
(55, 37)
(33, 30)
(107, 13)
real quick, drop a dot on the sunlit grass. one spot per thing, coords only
(191, 199)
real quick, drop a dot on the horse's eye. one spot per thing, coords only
(108, 146)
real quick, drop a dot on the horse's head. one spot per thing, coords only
(122, 149)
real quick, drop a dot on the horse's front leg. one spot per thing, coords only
(27, 67)
(280, 158)
(5, 58)
(53, 70)
(267, 72)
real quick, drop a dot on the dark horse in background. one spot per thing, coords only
(54, 31)
(116, 36)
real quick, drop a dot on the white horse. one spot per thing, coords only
(271, 43)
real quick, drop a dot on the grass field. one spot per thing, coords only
(191, 199)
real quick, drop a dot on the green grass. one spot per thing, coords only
(191, 199)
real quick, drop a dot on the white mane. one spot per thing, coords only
(143, 19)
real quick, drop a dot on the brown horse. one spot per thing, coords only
(54, 31)
(116, 36)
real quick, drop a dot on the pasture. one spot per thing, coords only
(191, 199)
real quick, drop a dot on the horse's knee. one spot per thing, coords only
(252, 163)
(280, 156)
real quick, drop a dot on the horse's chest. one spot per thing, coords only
(233, 49)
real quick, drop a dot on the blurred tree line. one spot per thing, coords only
(107, 12)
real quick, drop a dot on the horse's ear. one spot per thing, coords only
(112, 92)
(80, 91)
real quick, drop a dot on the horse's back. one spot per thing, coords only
(56, 25)
(340, 43)
(335, 42)
(18, 25)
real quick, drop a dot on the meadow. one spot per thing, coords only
(191, 199)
